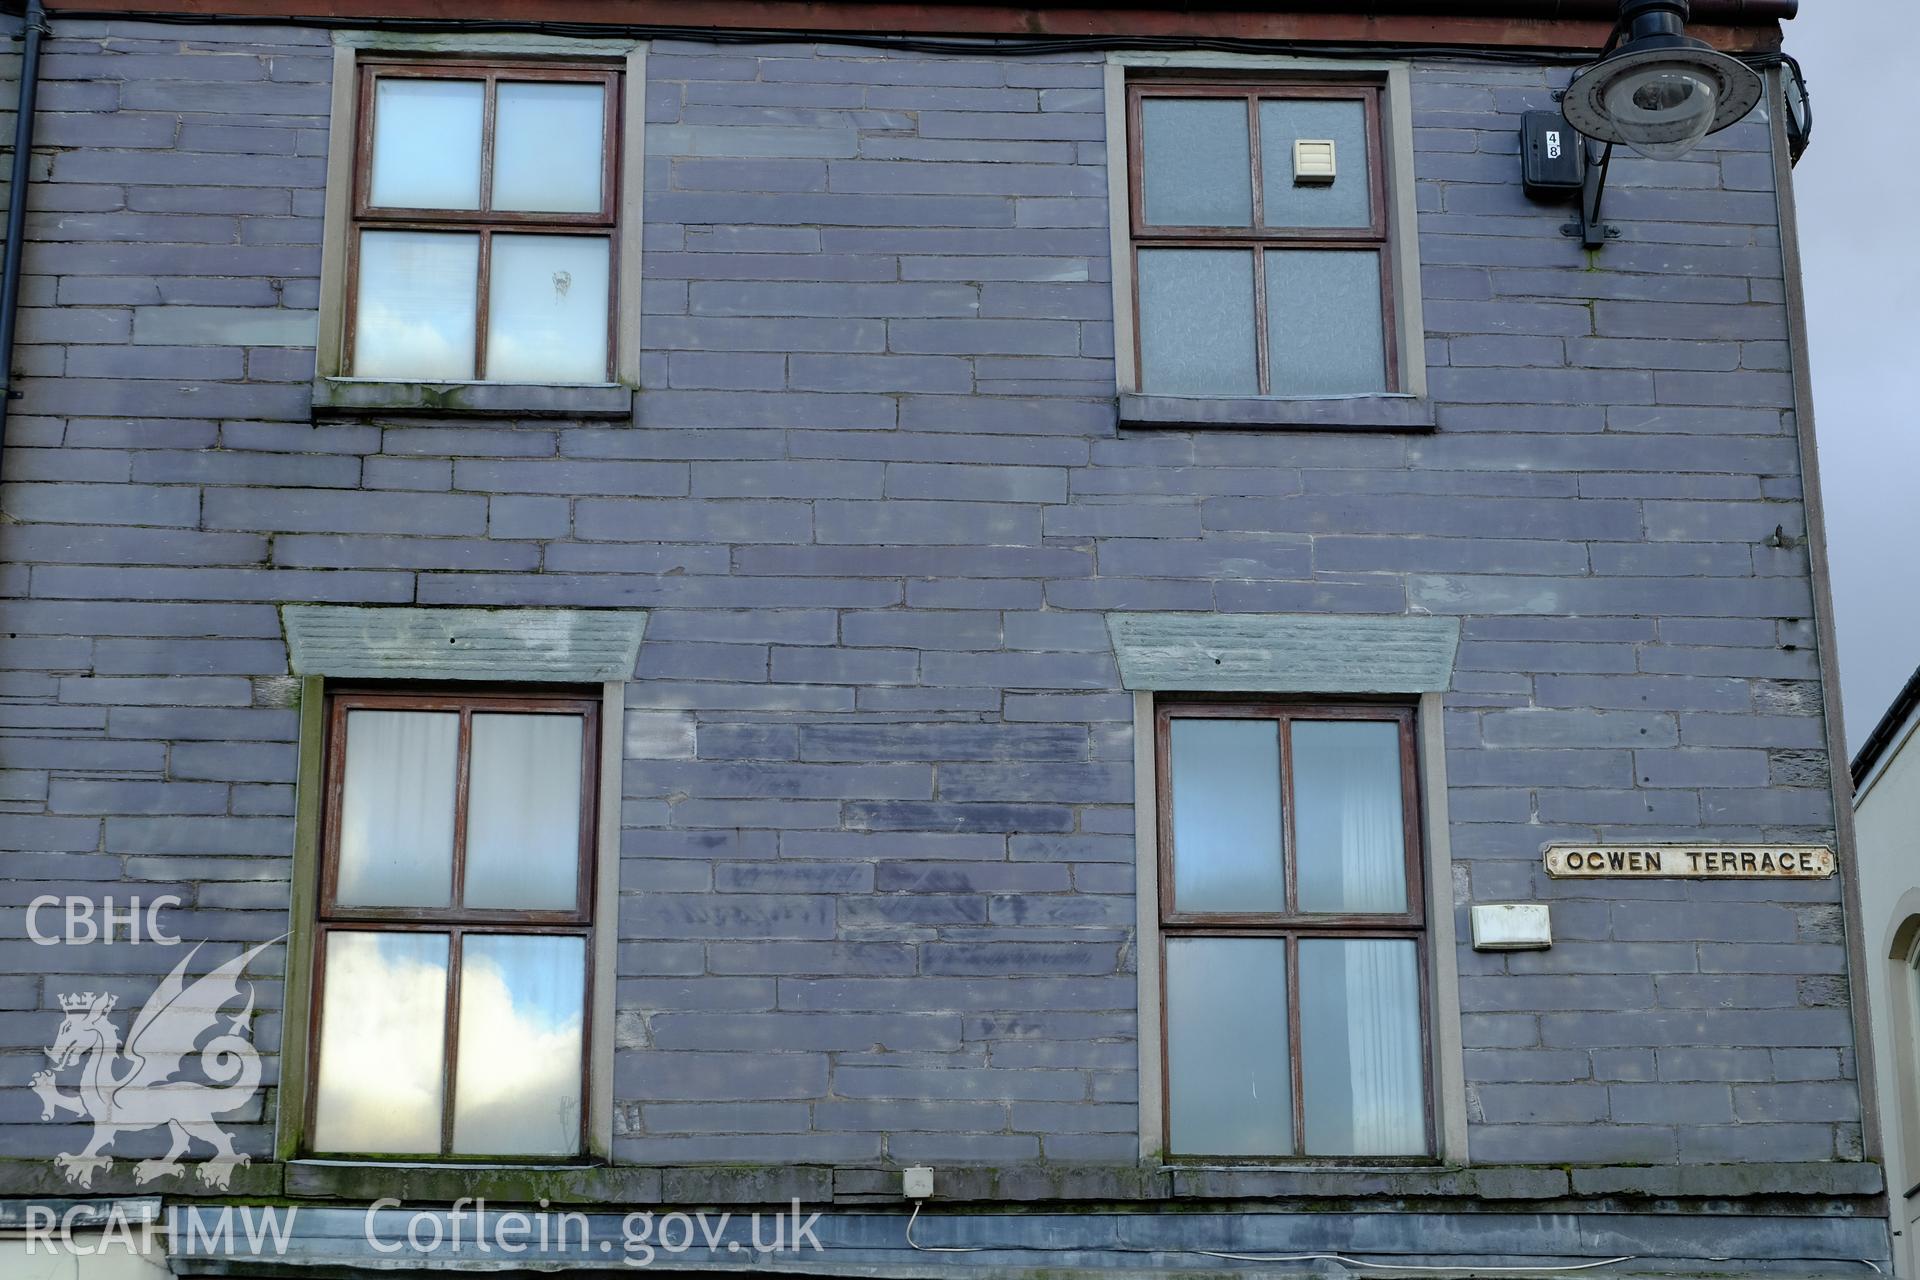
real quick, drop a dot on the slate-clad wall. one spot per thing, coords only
(878, 851)
(10, 27)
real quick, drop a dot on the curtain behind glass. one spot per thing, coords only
(1360, 1052)
(523, 819)
(1360, 998)
(396, 809)
(1349, 833)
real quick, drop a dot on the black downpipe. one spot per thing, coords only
(36, 17)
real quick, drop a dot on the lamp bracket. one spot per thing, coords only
(1592, 232)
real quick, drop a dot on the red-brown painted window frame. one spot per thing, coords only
(1257, 238)
(485, 221)
(1292, 925)
(455, 921)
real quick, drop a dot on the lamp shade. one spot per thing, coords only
(1661, 96)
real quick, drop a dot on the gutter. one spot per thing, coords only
(1735, 12)
(1886, 730)
(1571, 24)
(1720, 12)
(1571, 30)
(36, 27)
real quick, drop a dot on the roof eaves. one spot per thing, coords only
(1889, 727)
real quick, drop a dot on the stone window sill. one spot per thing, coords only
(588, 1182)
(1332, 413)
(333, 397)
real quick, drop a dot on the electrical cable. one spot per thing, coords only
(1341, 1258)
(935, 1248)
(1023, 46)
(1422, 1268)
(1013, 47)
(1291, 1257)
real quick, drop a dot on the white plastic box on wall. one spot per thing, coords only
(1512, 926)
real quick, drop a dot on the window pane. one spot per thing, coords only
(419, 296)
(522, 1000)
(396, 809)
(1323, 322)
(547, 147)
(382, 1033)
(1226, 816)
(1349, 837)
(1193, 152)
(426, 143)
(547, 315)
(1229, 1086)
(1347, 201)
(1360, 1051)
(1196, 322)
(523, 812)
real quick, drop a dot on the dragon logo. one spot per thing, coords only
(124, 1090)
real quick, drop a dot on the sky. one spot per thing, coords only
(1859, 202)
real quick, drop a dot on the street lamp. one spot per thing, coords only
(1655, 89)
(1659, 90)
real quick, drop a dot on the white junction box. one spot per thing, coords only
(1512, 926)
(916, 1183)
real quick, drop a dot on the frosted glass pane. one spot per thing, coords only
(523, 812)
(546, 147)
(1360, 1055)
(426, 143)
(1229, 1087)
(1196, 322)
(1193, 154)
(521, 1008)
(1347, 201)
(1349, 838)
(1226, 816)
(396, 809)
(547, 315)
(382, 1040)
(1323, 322)
(419, 295)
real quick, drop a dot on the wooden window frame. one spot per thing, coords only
(1906, 1028)
(1294, 926)
(455, 921)
(485, 221)
(1258, 238)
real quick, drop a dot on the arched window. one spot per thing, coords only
(1899, 1045)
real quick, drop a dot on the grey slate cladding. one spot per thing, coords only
(876, 807)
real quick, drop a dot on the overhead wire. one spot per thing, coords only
(1010, 46)
(1003, 46)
